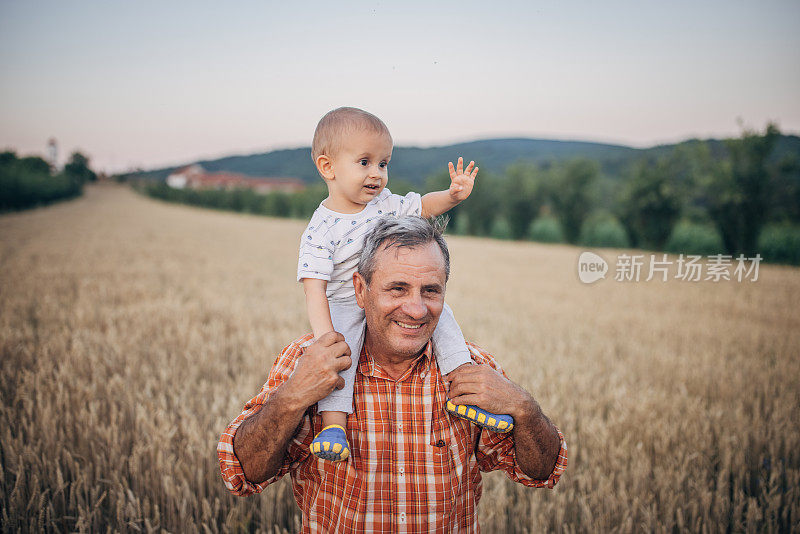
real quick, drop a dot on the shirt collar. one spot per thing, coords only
(368, 367)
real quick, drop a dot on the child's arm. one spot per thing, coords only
(461, 183)
(319, 313)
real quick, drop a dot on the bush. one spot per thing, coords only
(461, 226)
(604, 232)
(27, 182)
(303, 204)
(275, 204)
(780, 244)
(693, 238)
(573, 195)
(546, 230)
(500, 229)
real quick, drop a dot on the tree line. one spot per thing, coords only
(30, 181)
(741, 199)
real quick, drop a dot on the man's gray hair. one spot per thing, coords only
(406, 231)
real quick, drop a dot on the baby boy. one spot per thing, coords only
(351, 150)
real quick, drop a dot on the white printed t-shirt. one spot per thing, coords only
(332, 242)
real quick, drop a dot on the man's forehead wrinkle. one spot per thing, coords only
(403, 283)
(405, 250)
(406, 271)
(396, 283)
(410, 266)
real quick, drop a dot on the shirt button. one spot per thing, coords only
(399, 426)
(402, 469)
(402, 517)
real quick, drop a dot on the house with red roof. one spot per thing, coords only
(196, 177)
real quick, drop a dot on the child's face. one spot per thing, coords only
(360, 170)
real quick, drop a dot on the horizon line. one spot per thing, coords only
(279, 148)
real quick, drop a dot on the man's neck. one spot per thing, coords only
(395, 365)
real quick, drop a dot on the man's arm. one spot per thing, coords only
(261, 440)
(538, 447)
(536, 440)
(461, 184)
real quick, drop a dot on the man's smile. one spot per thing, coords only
(408, 326)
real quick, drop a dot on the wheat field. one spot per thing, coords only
(132, 331)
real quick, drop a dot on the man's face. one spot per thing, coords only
(404, 300)
(360, 170)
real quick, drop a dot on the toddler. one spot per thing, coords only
(352, 149)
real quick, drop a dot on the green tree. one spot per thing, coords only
(277, 204)
(26, 182)
(78, 169)
(523, 194)
(785, 201)
(738, 193)
(546, 229)
(603, 230)
(483, 205)
(34, 165)
(461, 225)
(306, 201)
(650, 203)
(500, 229)
(573, 196)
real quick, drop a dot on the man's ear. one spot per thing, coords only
(360, 285)
(325, 167)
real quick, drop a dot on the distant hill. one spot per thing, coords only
(414, 164)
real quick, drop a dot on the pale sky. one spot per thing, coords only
(157, 83)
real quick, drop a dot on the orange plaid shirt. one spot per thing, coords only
(413, 467)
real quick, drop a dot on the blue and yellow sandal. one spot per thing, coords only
(498, 423)
(331, 444)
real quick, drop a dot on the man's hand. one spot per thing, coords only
(483, 386)
(461, 181)
(317, 372)
(261, 441)
(536, 441)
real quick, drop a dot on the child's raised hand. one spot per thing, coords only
(461, 180)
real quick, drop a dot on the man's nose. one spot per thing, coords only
(414, 306)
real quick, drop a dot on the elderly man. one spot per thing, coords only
(414, 467)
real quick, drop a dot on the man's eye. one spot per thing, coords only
(363, 162)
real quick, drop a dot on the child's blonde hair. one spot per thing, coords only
(337, 123)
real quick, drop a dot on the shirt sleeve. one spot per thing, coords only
(316, 252)
(411, 204)
(496, 451)
(231, 468)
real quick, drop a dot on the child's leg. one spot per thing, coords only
(348, 320)
(451, 352)
(448, 343)
(331, 442)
